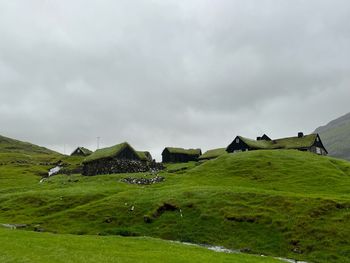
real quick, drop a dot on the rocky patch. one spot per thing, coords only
(14, 226)
(143, 181)
(112, 166)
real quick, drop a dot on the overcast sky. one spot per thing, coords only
(156, 73)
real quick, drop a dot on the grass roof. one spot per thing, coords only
(295, 142)
(184, 151)
(284, 143)
(85, 150)
(211, 154)
(262, 144)
(108, 152)
(144, 155)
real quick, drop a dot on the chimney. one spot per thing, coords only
(300, 134)
(258, 138)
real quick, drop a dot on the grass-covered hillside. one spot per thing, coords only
(281, 203)
(20, 154)
(22, 163)
(336, 137)
(11, 146)
(24, 246)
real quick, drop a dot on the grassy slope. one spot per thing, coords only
(24, 246)
(8, 145)
(282, 203)
(211, 154)
(21, 163)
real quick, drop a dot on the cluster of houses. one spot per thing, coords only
(123, 158)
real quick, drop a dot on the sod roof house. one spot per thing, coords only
(311, 143)
(81, 151)
(212, 154)
(145, 156)
(264, 137)
(119, 151)
(120, 158)
(180, 155)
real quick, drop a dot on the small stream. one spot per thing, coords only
(220, 249)
(51, 172)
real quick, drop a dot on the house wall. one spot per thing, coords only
(76, 153)
(127, 154)
(318, 147)
(266, 138)
(177, 157)
(149, 156)
(240, 146)
(166, 157)
(320, 151)
(318, 143)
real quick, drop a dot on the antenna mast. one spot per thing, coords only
(98, 142)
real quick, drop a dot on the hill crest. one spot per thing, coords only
(9, 145)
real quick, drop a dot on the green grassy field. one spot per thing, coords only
(25, 246)
(281, 203)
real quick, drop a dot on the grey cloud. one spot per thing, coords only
(160, 73)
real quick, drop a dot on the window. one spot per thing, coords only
(318, 150)
(237, 140)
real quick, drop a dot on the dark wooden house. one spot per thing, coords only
(180, 155)
(81, 151)
(265, 138)
(121, 158)
(311, 143)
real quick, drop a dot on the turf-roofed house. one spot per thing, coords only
(120, 158)
(212, 154)
(311, 143)
(180, 155)
(81, 151)
(145, 155)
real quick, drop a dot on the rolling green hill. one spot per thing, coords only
(19, 161)
(14, 151)
(279, 202)
(336, 137)
(24, 246)
(8, 145)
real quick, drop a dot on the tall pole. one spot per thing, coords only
(98, 142)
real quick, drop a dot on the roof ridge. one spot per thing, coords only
(294, 142)
(108, 152)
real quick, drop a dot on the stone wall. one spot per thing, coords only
(111, 166)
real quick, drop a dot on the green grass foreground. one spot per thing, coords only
(25, 246)
(281, 203)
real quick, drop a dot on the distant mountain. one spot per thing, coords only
(8, 145)
(336, 137)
